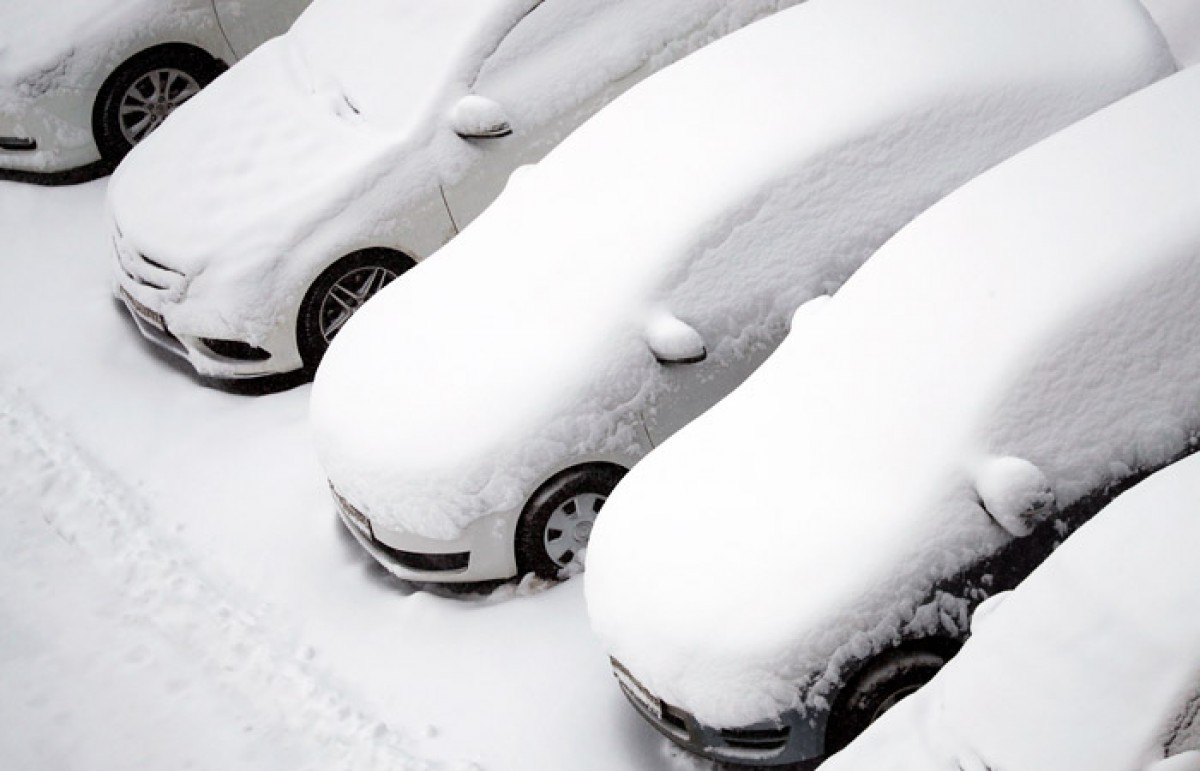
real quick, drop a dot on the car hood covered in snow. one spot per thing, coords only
(723, 192)
(227, 189)
(287, 139)
(1034, 330)
(1093, 662)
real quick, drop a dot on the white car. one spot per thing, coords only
(810, 551)
(473, 418)
(343, 153)
(82, 81)
(1093, 662)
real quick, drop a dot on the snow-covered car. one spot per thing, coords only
(82, 81)
(474, 417)
(811, 549)
(343, 153)
(1093, 662)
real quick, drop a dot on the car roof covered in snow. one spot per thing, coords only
(728, 187)
(1093, 662)
(1035, 329)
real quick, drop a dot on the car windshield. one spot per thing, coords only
(389, 60)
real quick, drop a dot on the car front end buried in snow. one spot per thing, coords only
(790, 740)
(149, 289)
(476, 555)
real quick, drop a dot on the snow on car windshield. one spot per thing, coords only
(390, 59)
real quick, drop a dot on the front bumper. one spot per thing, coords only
(484, 551)
(150, 291)
(203, 359)
(789, 740)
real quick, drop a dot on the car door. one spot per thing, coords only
(689, 389)
(544, 77)
(248, 24)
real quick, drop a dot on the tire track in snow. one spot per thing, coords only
(166, 588)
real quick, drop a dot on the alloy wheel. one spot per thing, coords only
(151, 98)
(348, 294)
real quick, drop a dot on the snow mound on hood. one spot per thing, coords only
(251, 150)
(1093, 662)
(1046, 311)
(258, 161)
(522, 345)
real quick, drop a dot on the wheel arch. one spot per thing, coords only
(574, 468)
(185, 51)
(549, 487)
(854, 673)
(178, 48)
(304, 290)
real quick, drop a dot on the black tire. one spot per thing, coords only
(887, 679)
(542, 546)
(140, 94)
(350, 281)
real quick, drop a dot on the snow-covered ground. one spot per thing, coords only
(176, 591)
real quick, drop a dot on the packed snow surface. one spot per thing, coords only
(723, 192)
(337, 136)
(1092, 663)
(1046, 311)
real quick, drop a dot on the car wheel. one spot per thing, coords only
(890, 677)
(143, 91)
(557, 521)
(338, 293)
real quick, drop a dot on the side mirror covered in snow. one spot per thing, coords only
(1015, 493)
(478, 116)
(673, 341)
